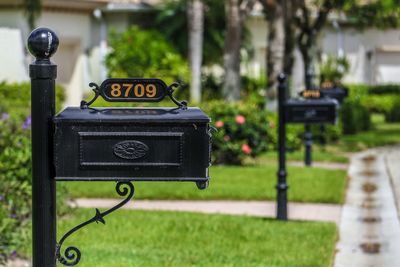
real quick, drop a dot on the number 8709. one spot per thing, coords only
(139, 90)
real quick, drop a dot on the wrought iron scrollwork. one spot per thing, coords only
(72, 255)
(96, 90)
(170, 91)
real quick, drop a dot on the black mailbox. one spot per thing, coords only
(147, 144)
(311, 110)
(337, 93)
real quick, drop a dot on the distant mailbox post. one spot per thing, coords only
(321, 97)
(105, 144)
(307, 111)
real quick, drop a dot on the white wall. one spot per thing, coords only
(74, 32)
(12, 56)
(78, 56)
(374, 55)
(259, 31)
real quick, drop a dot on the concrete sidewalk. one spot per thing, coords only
(392, 160)
(370, 228)
(296, 211)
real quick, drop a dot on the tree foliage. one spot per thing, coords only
(382, 14)
(172, 23)
(333, 69)
(32, 10)
(140, 53)
(309, 27)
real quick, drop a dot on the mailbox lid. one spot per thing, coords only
(136, 115)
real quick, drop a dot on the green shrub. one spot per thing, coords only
(378, 103)
(354, 117)
(15, 168)
(376, 98)
(294, 134)
(331, 133)
(16, 99)
(333, 69)
(384, 89)
(393, 114)
(242, 131)
(252, 89)
(140, 53)
(15, 186)
(357, 90)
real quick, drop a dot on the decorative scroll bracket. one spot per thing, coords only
(72, 255)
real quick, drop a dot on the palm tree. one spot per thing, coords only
(195, 17)
(235, 12)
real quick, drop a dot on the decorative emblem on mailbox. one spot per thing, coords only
(130, 149)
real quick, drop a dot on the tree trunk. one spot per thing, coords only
(195, 13)
(308, 75)
(289, 10)
(306, 44)
(275, 47)
(231, 87)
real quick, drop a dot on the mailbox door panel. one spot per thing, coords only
(135, 152)
(118, 149)
(311, 111)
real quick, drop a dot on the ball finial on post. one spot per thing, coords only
(281, 77)
(42, 43)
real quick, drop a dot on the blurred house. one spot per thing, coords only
(373, 54)
(82, 26)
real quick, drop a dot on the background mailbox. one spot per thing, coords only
(148, 144)
(337, 93)
(311, 110)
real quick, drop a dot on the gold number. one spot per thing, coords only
(139, 90)
(128, 88)
(151, 90)
(116, 90)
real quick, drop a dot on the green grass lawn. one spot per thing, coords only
(230, 182)
(319, 154)
(382, 134)
(139, 238)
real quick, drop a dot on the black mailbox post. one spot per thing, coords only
(305, 111)
(105, 144)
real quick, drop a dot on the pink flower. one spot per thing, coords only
(219, 124)
(240, 119)
(246, 149)
(271, 125)
(227, 138)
